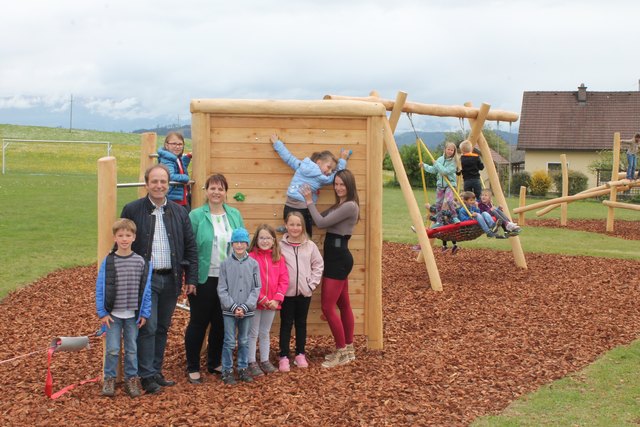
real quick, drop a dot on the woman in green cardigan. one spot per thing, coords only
(213, 223)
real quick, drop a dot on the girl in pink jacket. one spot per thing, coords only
(305, 267)
(274, 276)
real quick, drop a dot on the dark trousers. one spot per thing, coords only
(205, 310)
(308, 220)
(294, 311)
(474, 185)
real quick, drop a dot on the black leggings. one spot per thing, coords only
(205, 310)
(294, 310)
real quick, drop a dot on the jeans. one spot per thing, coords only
(127, 329)
(230, 324)
(152, 337)
(260, 328)
(205, 310)
(294, 310)
(474, 185)
(485, 221)
(632, 163)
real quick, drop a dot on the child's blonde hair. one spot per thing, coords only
(465, 146)
(124, 224)
(275, 250)
(487, 191)
(468, 195)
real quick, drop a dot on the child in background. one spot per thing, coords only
(485, 205)
(445, 217)
(632, 154)
(305, 266)
(486, 222)
(471, 167)
(173, 157)
(123, 304)
(238, 289)
(274, 276)
(315, 171)
(444, 167)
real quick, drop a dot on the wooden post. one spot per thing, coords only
(494, 179)
(523, 202)
(147, 147)
(107, 197)
(373, 304)
(565, 189)
(613, 195)
(412, 205)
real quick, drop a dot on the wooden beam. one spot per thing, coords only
(107, 198)
(613, 195)
(565, 189)
(433, 109)
(621, 205)
(147, 147)
(287, 107)
(560, 200)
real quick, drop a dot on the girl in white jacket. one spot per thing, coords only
(305, 266)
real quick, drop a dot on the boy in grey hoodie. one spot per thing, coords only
(238, 289)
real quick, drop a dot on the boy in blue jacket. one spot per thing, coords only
(123, 304)
(238, 288)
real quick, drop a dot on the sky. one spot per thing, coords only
(137, 64)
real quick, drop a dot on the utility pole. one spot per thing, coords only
(70, 112)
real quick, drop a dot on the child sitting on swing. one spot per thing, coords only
(445, 168)
(485, 221)
(510, 228)
(443, 217)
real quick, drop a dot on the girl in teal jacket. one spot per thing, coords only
(445, 166)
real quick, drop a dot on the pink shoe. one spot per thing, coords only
(283, 364)
(300, 361)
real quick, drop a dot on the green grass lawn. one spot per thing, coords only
(48, 222)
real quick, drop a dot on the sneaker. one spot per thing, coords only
(341, 358)
(268, 368)
(416, 248)
(109, 387)
(132, 387)
(283, 364)
(491, 234)
(149, 385)
(254, 370)
(351, 351)
(437, 224)
(497, 225)
(444, 249)
(163, 382)
(194, 377)
(454, 249)
(501, 236)
(300, 361)
(216, 371)
(228, 378)
(512, 226)
(281, 229)
(244, 375)
(456, 220)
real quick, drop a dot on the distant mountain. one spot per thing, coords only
(163, 130)
(511, 138)
(431, 139)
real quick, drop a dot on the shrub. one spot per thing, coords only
(410, 160)
(577, 181)
(518, 180)
(540, 183)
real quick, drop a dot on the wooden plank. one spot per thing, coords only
(276, 181)
(287, 107)
(239, 149)
(265, 166)
(317, 137)
(280, 123)
(200, 166)
(274, 211)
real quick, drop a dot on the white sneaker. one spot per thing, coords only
(512, 226)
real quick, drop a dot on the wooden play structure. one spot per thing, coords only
(232, 137)
(611, 188)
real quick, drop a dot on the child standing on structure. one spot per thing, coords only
(485, 205)
(485, 221)
(315, 171)
(445, 168)
(123, 304)
(471, 167)
(632, 155)
(305, 266)
(274, 276)
(173, 157)
(238, 289)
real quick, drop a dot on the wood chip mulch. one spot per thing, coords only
(629, 230)
(496, 332)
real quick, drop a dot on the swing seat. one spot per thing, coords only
(460, 232)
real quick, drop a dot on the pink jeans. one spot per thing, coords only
(336, 292)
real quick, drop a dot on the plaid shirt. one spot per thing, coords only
(160, 249)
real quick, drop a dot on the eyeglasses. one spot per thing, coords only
(175, 144)
(265, 238)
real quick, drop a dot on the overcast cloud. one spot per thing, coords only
(143, 61)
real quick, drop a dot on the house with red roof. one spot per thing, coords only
(578, 123)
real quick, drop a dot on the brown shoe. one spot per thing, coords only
(109, 387)
(132, 387)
